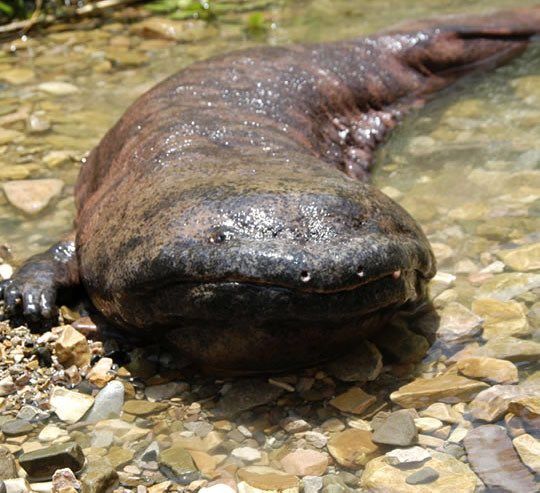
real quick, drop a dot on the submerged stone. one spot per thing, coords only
(458, 324)
(452, 475)
(501, 318)
(247, 394)
(446, 388)
(491, 369)
(524, 258)
(494, 459)
(354, 400)
(397, 429)
(353, 448)
(528, 449)
(32, 196)
(42, 463)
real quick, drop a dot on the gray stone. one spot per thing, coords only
(41, 464)
(312, 484)
(108, 403)
(16, 427)
(398, 429)
(423, 476)
(176, 463)
(98, 476)
(8, 467)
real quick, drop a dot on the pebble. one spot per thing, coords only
(100, 374)
(7, 386)
(16, 427)
(428, 425)
(492, 403)
(41, 464)
(17, 76)
(490, 369)
(8, 465)
(354, 400)
(69, 406)
(528, 449)
(178, 464)
(425, 475)
(247, 454)
(493, 457)
(502, 318)
(143, 408)
(108, 402)
(446, 388)
(294, 425)
(524, 258)
(72, 348)
(304, 462)
(50, 433)
(64, 481)
(452, 475)
(316, 439)
(353, 448)
(458, 324)
(510, 348)
(256, 478)
(506, 286)
(312, 484)
(397, 429)
(174, 30)
(32, 196)
(156, 393)
(58, 88)
(408, 457)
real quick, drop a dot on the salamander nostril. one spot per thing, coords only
(305, 276)
(360, 271)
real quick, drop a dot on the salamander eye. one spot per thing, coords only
(305, 276)
(360, 271)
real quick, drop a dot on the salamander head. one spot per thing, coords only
(265, 256)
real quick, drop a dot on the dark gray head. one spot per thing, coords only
(278, 248)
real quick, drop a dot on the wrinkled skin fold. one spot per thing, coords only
(229, 210)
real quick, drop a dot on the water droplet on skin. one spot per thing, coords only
(396, 274)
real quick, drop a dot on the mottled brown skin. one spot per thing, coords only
(228, 209)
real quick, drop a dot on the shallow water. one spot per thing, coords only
(466, 166)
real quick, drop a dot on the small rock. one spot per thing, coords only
(143, 408)
(41, 464)
(492, 403)
(69, 406)
(58, 88)
(425, 475)
(413, 456)
(353, 448)
(247, 454)
(98, 476)
(7, 386)
(502, 318)
(354, 400)
(458, 324)
(174, 30)
(255, 478)
(100, 374)
(64, 481)
(493, 457)
(428, 425)
(8, 136)
(453, 475)
(72, 348)
(37, 123)
(398, 429)
(200, 428)
(176, 463)
(119, 456)
(524, 258)
(510, 348)
(318, 440)
(32, 196)
(490, 369)
(506, 286)
(16, 427)
(304, 462)
(17, 76)
(446, 388)
(528, 449)
(312, 484)
(156, 393)
(32, 414)
(19, 485)
(294, 425)
(8, 466)
(50, 433)
(108, 403)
